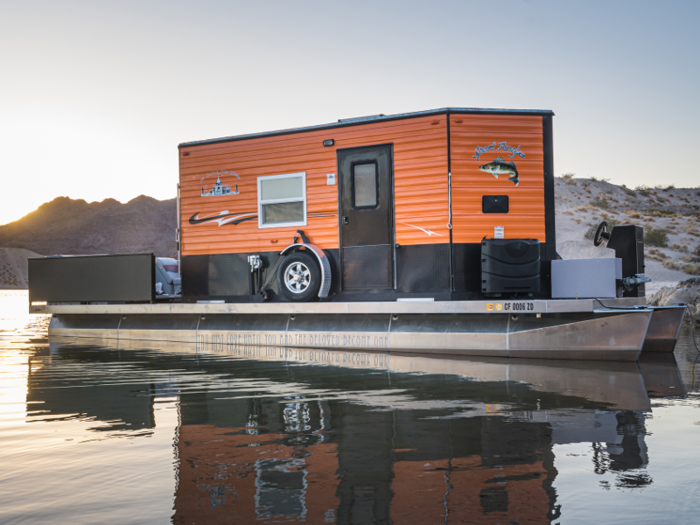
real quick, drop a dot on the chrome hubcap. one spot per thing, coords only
(297, 277)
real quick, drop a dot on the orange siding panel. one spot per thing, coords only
(526, 201)
(420, 181)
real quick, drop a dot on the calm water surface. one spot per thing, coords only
(100, 432)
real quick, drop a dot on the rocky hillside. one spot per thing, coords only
(687, 292)
(67, 226)
(13, 267)
(670, 217)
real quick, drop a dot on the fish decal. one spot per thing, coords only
(500, 167)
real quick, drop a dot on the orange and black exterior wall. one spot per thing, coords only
(438, 216)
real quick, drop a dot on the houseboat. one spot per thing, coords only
(427, 231)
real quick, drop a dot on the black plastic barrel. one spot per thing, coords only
(510, 266)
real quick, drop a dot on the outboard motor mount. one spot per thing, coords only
(628, 242)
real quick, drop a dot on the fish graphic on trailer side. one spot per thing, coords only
(500, 167)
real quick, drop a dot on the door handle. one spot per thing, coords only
(345, 220)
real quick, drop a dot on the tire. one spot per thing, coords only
(299, 277)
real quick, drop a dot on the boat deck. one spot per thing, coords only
(416, 306)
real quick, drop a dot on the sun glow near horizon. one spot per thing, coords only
(81, 156)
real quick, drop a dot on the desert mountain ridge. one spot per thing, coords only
(72, 227)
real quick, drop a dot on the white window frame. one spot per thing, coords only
(281, 201)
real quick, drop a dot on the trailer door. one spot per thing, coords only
(366, 218)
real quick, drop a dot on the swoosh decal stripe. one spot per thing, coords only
(236, 218)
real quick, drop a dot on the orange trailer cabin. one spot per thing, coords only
(448, 204)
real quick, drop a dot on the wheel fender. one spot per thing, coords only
(322, 258)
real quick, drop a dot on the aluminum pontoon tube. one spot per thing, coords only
(664, 328)
(598, 335)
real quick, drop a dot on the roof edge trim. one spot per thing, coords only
(356, 122)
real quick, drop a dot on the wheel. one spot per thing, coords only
(600, 234)
(299, 277)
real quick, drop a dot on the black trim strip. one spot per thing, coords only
(399, 116)
(549, 212)
(449, 211)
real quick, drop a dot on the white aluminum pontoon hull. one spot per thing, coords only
(560, 329)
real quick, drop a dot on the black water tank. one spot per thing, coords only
(510, 266)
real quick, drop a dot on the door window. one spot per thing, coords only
(282, 200)
(364, 185)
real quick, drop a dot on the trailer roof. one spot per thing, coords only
(373, 118)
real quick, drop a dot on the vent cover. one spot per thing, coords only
(494, 204)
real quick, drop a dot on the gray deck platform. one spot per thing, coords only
(367, 307)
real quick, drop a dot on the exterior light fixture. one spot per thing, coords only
(328, 142)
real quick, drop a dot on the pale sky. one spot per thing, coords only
(95, 96)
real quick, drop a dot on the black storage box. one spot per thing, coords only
(510, 266)
(123, 278)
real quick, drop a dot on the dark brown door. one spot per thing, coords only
(366, 217)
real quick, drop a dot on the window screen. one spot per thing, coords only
(283, 212)
(364, 182)
(282, 200)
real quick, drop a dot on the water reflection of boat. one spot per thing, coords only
(270, 434)
(662, 378)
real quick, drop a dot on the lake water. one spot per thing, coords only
(107, 432)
